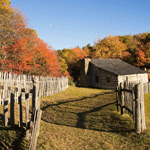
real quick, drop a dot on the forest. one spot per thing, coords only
(23, 52)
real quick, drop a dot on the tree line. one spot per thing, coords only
(22, 51)
(133, 49)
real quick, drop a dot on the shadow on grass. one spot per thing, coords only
(12, 138)
(97, 112)
(74, 100)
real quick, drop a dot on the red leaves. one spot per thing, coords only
(34, 57)
(140, 58)
(21, 49)
(78, 54)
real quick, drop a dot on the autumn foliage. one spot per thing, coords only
(134, 50)
(21, 50)
(71, 58)
(78, 54)
(31, 58)
(109, 47)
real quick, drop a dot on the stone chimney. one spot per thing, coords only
(83, 71)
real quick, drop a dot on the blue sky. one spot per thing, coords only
(71, 23)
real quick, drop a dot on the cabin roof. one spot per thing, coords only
(117, 66)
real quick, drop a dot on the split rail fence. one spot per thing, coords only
(22, 88)
(130, 100)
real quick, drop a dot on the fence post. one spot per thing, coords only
(19, 102)
(12, 102)
(117, 97)
(35, 98)
(133, 103)
(27, 115)
(20, 109)
(148, 86)
(5, 104)
(143, 125)
(137, 110)
(122, 99)
(36, 128)
(36, 116)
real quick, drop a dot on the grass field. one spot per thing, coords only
(82, 119)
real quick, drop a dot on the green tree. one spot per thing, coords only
(89, 50)
(147, 39)
(133, 50)
(141, 37)
(66, 54)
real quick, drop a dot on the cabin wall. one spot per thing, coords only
(101, 78)
(138, 78)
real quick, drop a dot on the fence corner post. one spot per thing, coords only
(143, 124)
(137, 110)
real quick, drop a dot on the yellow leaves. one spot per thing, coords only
(11, 24)
(4, 4)
(109, 47)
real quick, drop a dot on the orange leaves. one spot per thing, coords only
(78, 54)
(46, 59)
(69, 60)
(21, 49)
(140, 58)
(34, 57)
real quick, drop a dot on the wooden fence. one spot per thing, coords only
(48, 85)
(146, 87)
(130, 100)
(18, 88)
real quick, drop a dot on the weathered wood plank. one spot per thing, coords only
(12, 110)
(122, 99)
(143, 124)
(36, 128)
(20, 110)
(5, 105)
(137, 110)
(27, 115)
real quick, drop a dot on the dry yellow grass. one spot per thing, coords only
(81, 118)
(84, 118)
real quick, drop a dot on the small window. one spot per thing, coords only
(97, 78)
(108, 79)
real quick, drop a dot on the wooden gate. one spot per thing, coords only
(130, 100)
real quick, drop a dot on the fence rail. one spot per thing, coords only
(48, 85)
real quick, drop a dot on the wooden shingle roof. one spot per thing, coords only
(117, 66)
